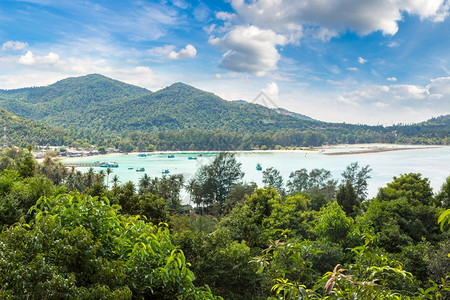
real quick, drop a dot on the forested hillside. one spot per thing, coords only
(98, 110)
(66, 235)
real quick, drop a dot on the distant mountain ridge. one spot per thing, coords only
(96, 101)
(104, 111)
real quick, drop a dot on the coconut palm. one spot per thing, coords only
(115, 181)
(144, 183)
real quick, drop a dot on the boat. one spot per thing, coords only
(170, 156)
(113, 164)
(166, 171)
(130, 168)
(200, 155)
(140, 170)
(258, 167)
(142, 155)
(192, 158)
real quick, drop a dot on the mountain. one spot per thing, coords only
(95, 109)
(292, 114)
(65, 102)
(101, 103)
(22, 131)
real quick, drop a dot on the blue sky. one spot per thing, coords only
(354, 61)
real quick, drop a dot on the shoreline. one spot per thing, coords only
(379, 150)
(373, 148)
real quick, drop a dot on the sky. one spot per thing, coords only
(355, 61)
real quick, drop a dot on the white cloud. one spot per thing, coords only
(162, 51)
(180, 3)
(271, 91)
(440, 87)
(352, 69)
(393, 44)
(187, 52)
(29, 59)
(222, 15)
(362, 60)
(391, 78)
(289, 17)
(51, 58)
(249, 49)
(14, 45)
(381, 104)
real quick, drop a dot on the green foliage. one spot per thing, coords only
(80, 247)
(212, 183)
(272, 177)
(443, 197)
(358, 179)
(403, 213)
(220, 263)
(333, 224)
(94, 109)
(346, 197)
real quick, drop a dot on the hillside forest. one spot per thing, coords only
(67, 235)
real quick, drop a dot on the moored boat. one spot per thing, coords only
(258, 167)
(140, 170)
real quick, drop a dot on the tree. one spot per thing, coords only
(108, 171)
(213, 183)
(443, 197)
(144, 183)
(347, 198)
(357, 178)
(26, 165)
(333, 224)
(272, 177)
(115, 180)
(81, 247)
(404, 213)
(298, 181)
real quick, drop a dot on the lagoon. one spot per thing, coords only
(432, 162)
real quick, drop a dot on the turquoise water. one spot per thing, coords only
(433, 163)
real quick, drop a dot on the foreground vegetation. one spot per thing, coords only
(67, 235)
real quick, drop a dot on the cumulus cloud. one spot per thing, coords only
(14, 45)
(187, 52)
(403, 95)
(27, 59)
(267, 24)
(30, 59)
(288, 16)
(249, 49)
(395, 103)
(362, 60)
(271, 90)
(391, 78)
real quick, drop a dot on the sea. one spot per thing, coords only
(386, 161)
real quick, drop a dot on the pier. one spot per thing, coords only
(82, 165)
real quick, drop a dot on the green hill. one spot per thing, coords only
(100, 103)
(100, 110)
(66, 102)
(21, 131)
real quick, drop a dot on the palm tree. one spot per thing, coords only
(108, 171)
(144, 183)
(89, 177)
(115, 180)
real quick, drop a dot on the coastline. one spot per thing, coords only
(377, 150)
(353, 149)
